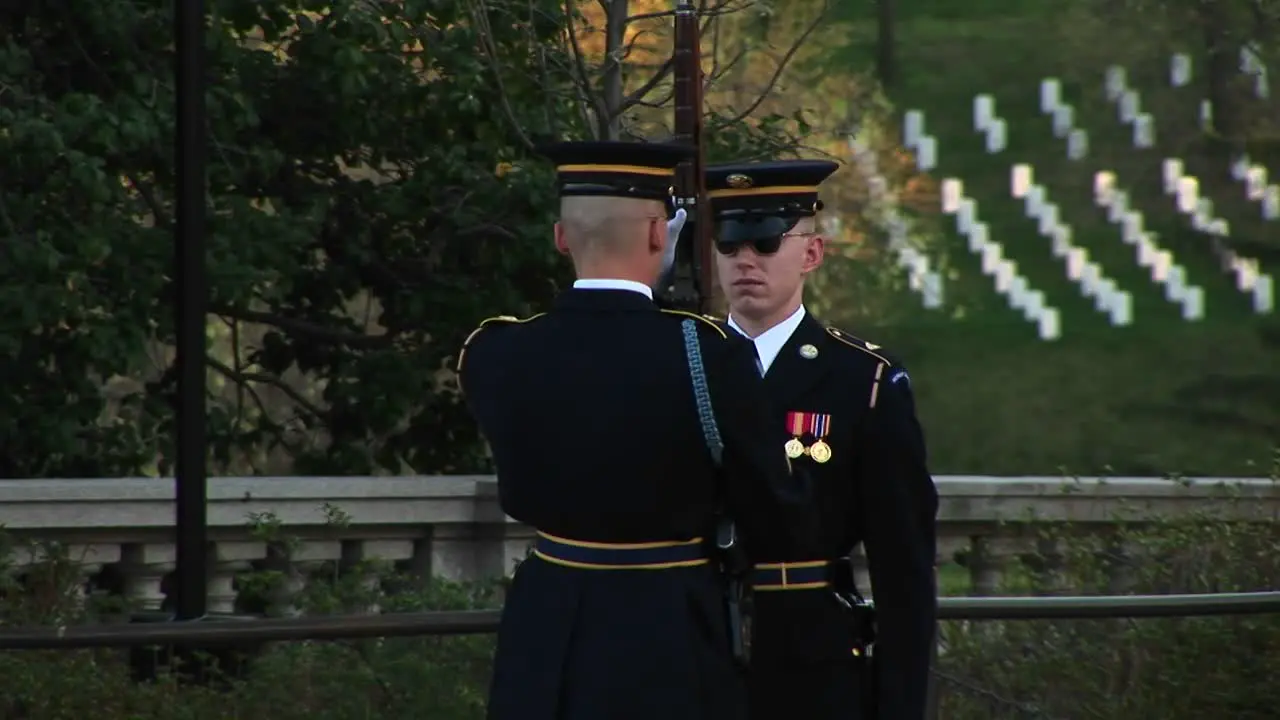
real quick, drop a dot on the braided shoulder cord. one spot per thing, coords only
(701, 392)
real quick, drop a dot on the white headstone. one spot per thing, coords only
(1104, 188)
(933, 291)
(1018, 292)
(1118, 208)
(1061, 241)
(1130, 106)
(997, 136)
(1240, 168)
(1034, 201)
(1160, 268)
(1020, 180)
(1175, 289)
(1144, 131)
(1048, 219)
(1264, 295)
(1219, 228)
(1116, 83)
(1146, 251)
(1180, 70)
(912, 128)
(1255, 182)
(984, 111)
(1193, 304)
(1132, 230)
(927, 153)
(1247, 274)
(952, 194)
(1064, 117)
(1206, 115)
(1077, 144)
(979, 236)
(1090, 278)
(1033, 305)
(1121, 309)
(1077, 258)
(992, 254)
(1006, 271)
(1049, 326)
(1050, 95)
(1204, 208)
(1271, 203)
(1188, 194)
(966, 215)
(1173, 169)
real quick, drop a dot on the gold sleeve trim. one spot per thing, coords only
(462, 354)
(700, 318)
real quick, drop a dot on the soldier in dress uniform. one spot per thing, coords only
(851, 421)
(598, 432)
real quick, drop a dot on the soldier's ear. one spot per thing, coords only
(561, 246)
(657, 235)
(814, 252)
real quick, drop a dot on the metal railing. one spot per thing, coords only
(471, 622)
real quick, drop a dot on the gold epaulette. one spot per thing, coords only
(701, 318)
(859, 343)
(497, 319)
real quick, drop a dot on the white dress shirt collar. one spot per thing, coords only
(613, 284)
(769, 343)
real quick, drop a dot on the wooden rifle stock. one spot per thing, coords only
(690, 189)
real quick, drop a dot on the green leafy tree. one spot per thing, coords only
(362, 219)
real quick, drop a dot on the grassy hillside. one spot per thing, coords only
(1163, 395)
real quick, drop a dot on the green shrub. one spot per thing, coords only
(1130, 669)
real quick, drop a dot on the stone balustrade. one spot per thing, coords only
(452, 527)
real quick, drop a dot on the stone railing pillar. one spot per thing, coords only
(989, 558)
(144, 567)
(367, 559)
(228, 560)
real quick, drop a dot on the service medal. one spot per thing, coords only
(820, 452)
(794, 448)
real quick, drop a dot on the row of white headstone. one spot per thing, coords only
(1086, 274)
(993, 127)
(1009, 282)
(914, 138)
(1166, 272)
(1247, 272)
(1185, 189)
(921, 277)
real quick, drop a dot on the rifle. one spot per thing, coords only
(691, 287)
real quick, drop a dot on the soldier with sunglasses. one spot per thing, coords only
(818, 648)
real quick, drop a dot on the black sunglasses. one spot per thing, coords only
(762, 246)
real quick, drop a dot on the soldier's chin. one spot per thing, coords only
(748, 299)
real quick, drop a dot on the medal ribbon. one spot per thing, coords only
(818, 425)
(798, 422)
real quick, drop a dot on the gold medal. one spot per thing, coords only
(820, 452)
(794, 448)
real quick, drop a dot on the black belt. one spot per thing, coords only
(803, 575)
(586, 555)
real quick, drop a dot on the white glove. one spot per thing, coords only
(674, 226)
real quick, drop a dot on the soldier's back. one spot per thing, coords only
(591, 416)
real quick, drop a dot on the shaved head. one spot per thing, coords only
(606, 225)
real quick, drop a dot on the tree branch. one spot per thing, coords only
(586, 93)
(313, 331)
(782, 65)
(480, 15)
(265, 379)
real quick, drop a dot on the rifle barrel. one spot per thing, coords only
(690, 178)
